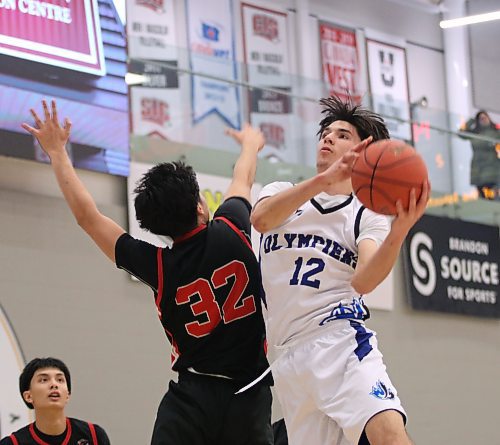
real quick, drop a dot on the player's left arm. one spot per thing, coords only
(251, 141)
(53, 138)
(375, 263)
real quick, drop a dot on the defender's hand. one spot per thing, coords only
(51, 136)
(248, 135)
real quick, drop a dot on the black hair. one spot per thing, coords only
(166, 199)
(41, 363)
(477, 128)
(366, 122)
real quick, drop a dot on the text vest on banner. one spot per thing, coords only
(452, 266)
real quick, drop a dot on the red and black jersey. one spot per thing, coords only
(207, 292)
(77, 432)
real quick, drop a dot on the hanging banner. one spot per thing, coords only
(265, 41)
(14, 414)
(339, 61)
(157, 112)
(151, 29)
(455, 270)
(389, 86)
(66, 35)
(211, 45)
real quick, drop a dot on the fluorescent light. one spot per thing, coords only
(471, 19)
(136, 79)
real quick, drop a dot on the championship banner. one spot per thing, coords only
(265, 41)
(452, 266)
(14, 414)
(212, 188)
(151, 30)
(211, 44)
(64, 33)
(389, 86)
(157, 112)
(339, 61)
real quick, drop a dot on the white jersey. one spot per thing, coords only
(308, 262)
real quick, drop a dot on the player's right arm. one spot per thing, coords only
(251, 141)
(271, 212)
(53, 138)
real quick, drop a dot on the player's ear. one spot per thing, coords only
(27, 397)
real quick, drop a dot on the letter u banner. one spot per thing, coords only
(452, 266)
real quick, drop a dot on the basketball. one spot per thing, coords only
(385, 172)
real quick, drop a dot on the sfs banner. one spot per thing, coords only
(452, 266)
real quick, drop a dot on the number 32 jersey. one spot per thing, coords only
(206, 289)
(308, 262)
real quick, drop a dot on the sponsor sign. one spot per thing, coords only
(63, 33)
(452, 266)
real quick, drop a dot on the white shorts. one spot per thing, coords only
(329, 387)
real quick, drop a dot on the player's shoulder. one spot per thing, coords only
(274, 187)
(21, 435)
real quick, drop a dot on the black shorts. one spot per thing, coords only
(204, 410)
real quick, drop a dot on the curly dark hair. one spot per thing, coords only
(166, 199)
(41, 363)
(366, 122)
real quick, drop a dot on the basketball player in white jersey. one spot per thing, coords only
(321, 250)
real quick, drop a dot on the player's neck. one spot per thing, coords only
(51, 422)
(340, 188)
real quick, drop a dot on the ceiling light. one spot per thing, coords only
(471, 19)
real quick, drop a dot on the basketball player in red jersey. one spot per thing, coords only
(206, 288)
(320, 251)
(45, 386)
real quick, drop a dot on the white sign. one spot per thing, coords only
(151, 29)
(211, 45)
(389, 86)
(157, 112)
(266, 47)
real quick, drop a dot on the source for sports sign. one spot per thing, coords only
(63, 33)
(452, 266)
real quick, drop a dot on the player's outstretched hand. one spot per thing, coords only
(248, 136)
(406, 218)
(51, 136)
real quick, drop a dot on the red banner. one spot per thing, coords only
(64, 33)
(339, 58)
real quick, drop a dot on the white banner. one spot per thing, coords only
(157, 112)
(211, 44)
(266, 47)
(151, 29)
(212, 188)
(14, 414)
(389, 86)
(339, 60)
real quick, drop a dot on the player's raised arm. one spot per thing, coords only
(53, 138)
(251, 141)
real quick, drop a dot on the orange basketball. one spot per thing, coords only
(386, 171)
